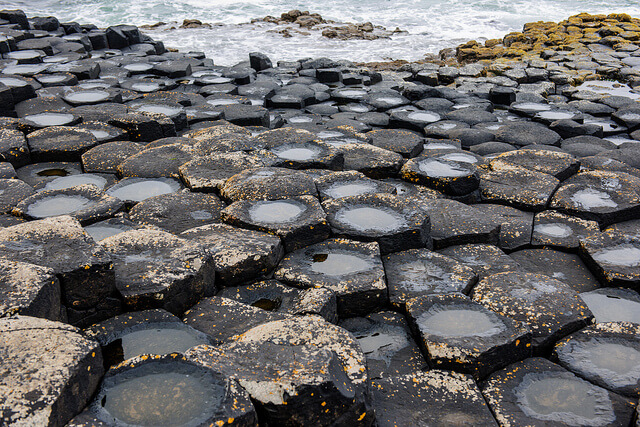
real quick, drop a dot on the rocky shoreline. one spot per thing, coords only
(319, 242)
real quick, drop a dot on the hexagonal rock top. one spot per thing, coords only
(311, 372)
(614, 257)
(29, 289)
(83, 267)
(460, 334)
(540, 393)
(48, 373)
(155, 269)
(550, 308)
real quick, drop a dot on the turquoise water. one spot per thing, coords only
(430, 25)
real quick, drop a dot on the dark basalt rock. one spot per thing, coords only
(29, 290)
(372, 161)
(419, 272)
(515, 225)
(239, 255)
(298, 221)
(454, 223)
(14, 148)
(552, 228)
(177, 212)
(267, 183)
(86, 203)
(526, 393)
(157, 162)
(392, 221)
(435, 397)
(144, 127)
(409, 144)
(102, 131)
(614, 257)
(133, 334)
(224, 319)
(560, 165)
(167, 390)
(518, 187)
(211, 172)
(84, 269)
(53, 386)
(613, 305)
(155, 269)
(485, 260)
(606, 354)
(352, 270)
(527, 133)
(387, 344)
(13, 191)
(307, 363)
(457, 333)
(344, 184)
(606, 197)
(568, 268)
(550, 308)
(60, 143)
(271, 295)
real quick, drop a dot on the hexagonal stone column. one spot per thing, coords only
(49, 371)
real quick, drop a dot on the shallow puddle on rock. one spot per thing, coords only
(145, 87)
(99, 134)
(339, 264)
(346, 189)
(99, 232)
(612, 309)
(141, 190)
(424, 116)
(458, 322)
(439, 169)
(389, 100)
(590, 198)
(12, 82)
(87, 96)
(625, 255)
(139, 67)
(51, 79)
(553, 229)
(617, 363)
(352, 93)
(300, 119)
(275, 212)
(358, 108)
(329, 134)
(563, 398)
(420, 275)
(200, 215)
(609, 88)
(72, 180)
(296, 153)
(53, 172)
(222, 101)
(57, 205)
(162, 340)
(460, 157)
(555, 115)
(383, 343)
(50, 119)
(439, 146)
(371, 219)
(533, 106)
(159, 109)
(162, 399)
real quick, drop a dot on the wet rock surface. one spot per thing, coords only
(326, 231)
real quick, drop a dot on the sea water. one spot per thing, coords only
(429, 25)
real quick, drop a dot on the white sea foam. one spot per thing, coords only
(431, 25)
